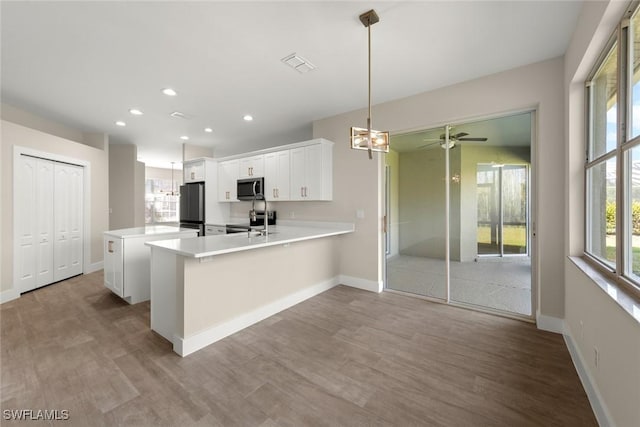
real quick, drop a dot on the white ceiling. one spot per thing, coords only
(86, 63)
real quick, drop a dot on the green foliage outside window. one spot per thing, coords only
(611, 217)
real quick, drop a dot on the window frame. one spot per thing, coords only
(622, 41)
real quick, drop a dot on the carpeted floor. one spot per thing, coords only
(498, 283)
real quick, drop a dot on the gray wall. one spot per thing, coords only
(126, 187)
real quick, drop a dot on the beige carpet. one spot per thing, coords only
(497, 283)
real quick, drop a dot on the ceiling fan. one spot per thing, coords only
(453, 139)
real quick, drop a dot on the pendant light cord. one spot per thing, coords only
(369, 142)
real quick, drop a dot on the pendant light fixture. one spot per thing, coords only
(369, 139)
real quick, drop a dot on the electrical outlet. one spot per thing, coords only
(360, 213)
(596, 356)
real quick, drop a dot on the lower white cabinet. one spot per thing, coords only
(127, 259)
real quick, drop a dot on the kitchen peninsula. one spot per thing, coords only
(204, 289)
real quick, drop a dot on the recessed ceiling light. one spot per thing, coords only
(169, 92)
(120, 123)
(208, 130)
(248, 118)
(135, 112)
(184, 138)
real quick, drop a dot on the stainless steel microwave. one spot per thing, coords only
(248, 188)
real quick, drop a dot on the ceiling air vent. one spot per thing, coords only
(298, 63)
(180, 115)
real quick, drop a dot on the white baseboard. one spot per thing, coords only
(549, 323)
(186, 346)
(96, 266)
(9, 295)
(597, 404)
(357, 282)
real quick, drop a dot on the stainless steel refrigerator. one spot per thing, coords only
(192, 206)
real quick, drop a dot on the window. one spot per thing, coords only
(612, 169)
(161, 201)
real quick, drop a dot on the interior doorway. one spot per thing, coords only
(459, 208)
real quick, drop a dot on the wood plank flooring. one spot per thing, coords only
(343, 358)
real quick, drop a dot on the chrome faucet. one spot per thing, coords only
(253, 216)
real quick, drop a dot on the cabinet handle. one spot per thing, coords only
(301, 191)
(193, 175)
(274, 193)
(278, 193)
(305, 192)
(110, 246)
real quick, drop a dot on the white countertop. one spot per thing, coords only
(150, 230)
(200, 247)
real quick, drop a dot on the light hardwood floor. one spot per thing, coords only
(345, 357)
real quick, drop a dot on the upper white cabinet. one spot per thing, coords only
(277, 175)
(312, 172)
(300, 171)
(251, 167)
(194, 170)
(227, 181)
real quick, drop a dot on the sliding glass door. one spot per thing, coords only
(503, 206)
(458, 205)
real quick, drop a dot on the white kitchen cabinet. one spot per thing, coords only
(48, 221)
(312, 172)
(194, 170)
(228, 181)
(127, 259)
(277, 175)
(251, 167)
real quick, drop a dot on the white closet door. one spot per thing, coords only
(67, 221)
(25, 221)
(44, 221)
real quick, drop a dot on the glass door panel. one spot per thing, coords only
(488, 206)
(490, 278)
(418, 218)
(514, 208)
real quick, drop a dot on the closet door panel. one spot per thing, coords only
(44, 209)
(25, 222)
(68, 221)
(75, 219)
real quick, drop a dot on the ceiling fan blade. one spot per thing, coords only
(472, 139)
(459, 135)
(431, 140)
